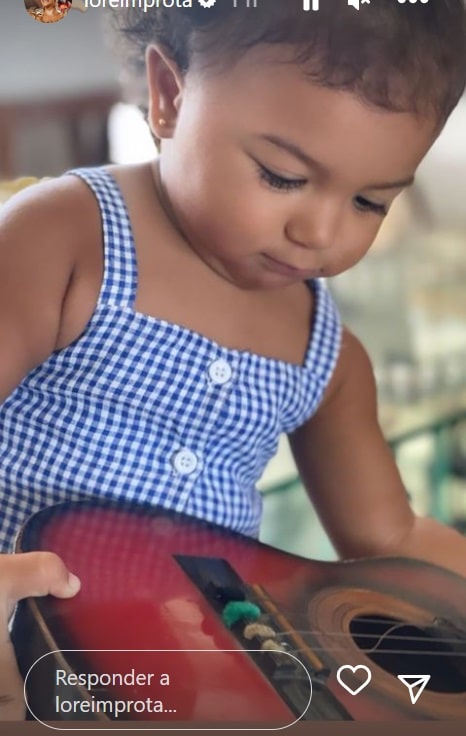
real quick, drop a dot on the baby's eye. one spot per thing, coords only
(279, 182)
(365, 205)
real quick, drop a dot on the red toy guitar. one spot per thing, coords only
(246, 631)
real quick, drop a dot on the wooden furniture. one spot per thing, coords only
(58, 84)
(83, 118)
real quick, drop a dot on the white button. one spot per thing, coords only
(185, 462)
(220, 372)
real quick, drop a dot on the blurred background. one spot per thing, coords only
(61, 106)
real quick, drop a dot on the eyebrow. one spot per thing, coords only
(312, 163)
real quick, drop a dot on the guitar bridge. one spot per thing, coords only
(220, 585)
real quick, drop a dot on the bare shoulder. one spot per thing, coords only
(45, 210)
(49, 241)
(346, 464)
(350, 400)
(353, 379)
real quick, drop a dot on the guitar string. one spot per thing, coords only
(281, 635)
(383, 638)
(380, 621)
(377, 648)
(345, 635)
(403, 652)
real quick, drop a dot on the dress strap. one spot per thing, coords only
(327, 332)
(120, 264)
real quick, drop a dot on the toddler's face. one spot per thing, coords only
(274, 180)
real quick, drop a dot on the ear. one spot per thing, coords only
(165, 83)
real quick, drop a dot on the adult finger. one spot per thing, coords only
(23, 575)
(35, 574)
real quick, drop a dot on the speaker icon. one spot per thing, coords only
(356, 3)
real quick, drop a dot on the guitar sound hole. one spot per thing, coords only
(404, 649)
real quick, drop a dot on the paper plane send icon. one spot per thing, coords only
(416, 685)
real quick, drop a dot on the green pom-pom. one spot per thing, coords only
(236, 611)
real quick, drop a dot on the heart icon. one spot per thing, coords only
(348, 668)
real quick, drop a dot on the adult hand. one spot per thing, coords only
(21, 576)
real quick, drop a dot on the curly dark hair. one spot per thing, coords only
(401, 57)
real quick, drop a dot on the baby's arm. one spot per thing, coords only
(352, 478)
(22, 575)
(38, 253)
(42, 231)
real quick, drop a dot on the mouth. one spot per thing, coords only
(274, 264)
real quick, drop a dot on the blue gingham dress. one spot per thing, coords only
(145, 410)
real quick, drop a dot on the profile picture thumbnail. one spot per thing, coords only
(48, 11)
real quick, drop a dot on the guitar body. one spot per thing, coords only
(156, 588)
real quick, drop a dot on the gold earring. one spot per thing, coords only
(162, 122)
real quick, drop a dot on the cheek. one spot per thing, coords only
(229, 208)
(353, 244)
(218, 195)
(235, 222)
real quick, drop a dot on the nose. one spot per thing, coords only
(316, 225)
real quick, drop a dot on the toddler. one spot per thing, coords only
(162, 324)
